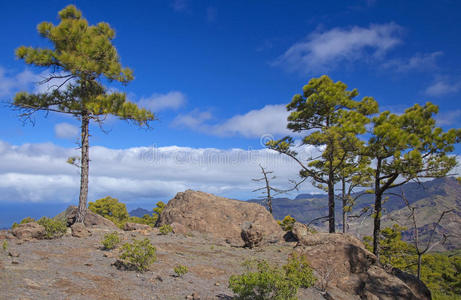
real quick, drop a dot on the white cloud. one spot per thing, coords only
(449, 117)
(322, 51)
(66, 131)
(442, 87)
(158, 102)
(10, 84)
(271, 119)
(39, 172)
(422, 62)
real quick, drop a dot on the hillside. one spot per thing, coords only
(430, 198)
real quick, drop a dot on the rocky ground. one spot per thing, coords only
(77, 268)
(212, 236)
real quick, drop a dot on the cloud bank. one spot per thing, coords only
(39, 172)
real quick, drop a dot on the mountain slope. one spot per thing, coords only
(430, 198)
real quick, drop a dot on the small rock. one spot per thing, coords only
(79, 230)
(159, 278)
(135, 226)
(217, 284)
(15, 262)
(13, 253)
(252, 235)
(88, 264)
(133, 234)
(299, 231)
(194, 296)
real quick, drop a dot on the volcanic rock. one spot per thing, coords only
(219, 217)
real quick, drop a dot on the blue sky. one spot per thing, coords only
(218, 74)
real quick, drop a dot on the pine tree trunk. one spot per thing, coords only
(331, 206)
(83, 198)
(377, 224)
(419, 265)
(378, 209)
(344, 206)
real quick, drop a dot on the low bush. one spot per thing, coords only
(264, 281)
(165, 229)
(111, 240)
(53, 228)
(5, 246)
(298, 270)
(287, 223)
(141, 254)
(23, 221)
(180, 270)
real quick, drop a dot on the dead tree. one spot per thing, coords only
(416, 241)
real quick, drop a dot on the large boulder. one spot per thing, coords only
(341, 262)
(29, 231)
(219, 217)
(92, 220)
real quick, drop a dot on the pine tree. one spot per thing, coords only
(82, 57)
(332, 120)
(407, 147)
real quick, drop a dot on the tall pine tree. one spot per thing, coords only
(407, 147)
(332, 120)
(82, 57)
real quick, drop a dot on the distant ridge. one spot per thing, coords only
(139, 212)
(430, 198)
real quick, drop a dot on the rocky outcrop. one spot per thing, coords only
(29, 231)
(91, 219)
(219, 217)
(342, 263)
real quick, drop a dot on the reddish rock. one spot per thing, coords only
(178, 228)
(79, 230)
(29, 231)
(219, 217)
(342, 262)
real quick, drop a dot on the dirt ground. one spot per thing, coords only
(77, 268)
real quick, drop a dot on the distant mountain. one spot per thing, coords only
(140, 212)
(431, 198)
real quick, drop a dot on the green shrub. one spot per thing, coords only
(165, 229)
(23, 221)
(141, 254)
(110, 208)
(263, 281)
(53, 228)
(287, 223)
(111, 240)
(298, 270)
(5, 246)
(180, 270)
